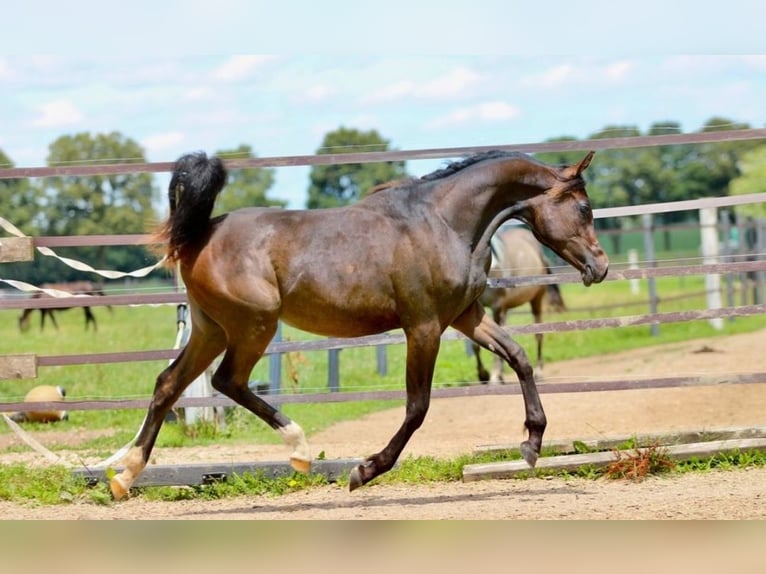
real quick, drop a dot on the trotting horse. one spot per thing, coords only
(75, 288)
(516, 252)
(413, 256)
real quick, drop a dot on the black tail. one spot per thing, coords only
(196, 182)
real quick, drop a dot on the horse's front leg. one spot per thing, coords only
(475, 324)
(422, 349)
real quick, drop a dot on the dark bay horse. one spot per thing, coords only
(413, 256)
(75, 288)
(516, 253)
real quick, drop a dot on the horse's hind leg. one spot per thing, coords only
(206, 342)
(499, 315)
(52, 315)
(89, 318)
(231, 379)
(537, 313)
(475, 324)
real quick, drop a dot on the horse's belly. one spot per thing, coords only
(340, 312)
(338, 322)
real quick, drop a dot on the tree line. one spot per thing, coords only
(125, 204)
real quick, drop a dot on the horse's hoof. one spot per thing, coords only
(119, 491)
(354, 479)
(300, 465)
(530, 454)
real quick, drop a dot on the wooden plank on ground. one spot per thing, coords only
(510, 469)
(567, 446)
(203, 473)
(16, 249)
(18, 367)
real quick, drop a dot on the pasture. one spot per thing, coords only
(153, 327)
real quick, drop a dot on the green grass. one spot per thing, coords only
(143, 328)
(57, 485)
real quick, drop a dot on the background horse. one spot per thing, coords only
(516, 253)
(413, 256)
(75, 288)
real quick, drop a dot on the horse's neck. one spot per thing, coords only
(476, 212)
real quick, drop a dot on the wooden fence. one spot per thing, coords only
(26, 365)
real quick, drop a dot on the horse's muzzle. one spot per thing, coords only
(594, 274)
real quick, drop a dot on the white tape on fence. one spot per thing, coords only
(79, 265)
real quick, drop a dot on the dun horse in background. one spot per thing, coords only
(75, 288)
(413, 256)
(516, 253)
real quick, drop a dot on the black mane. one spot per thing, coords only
(450, 169)
(460, 165)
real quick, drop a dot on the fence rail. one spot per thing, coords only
(384, 156)
(647, 272)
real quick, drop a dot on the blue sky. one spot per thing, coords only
(186, 82)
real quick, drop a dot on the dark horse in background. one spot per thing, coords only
(413, 256)
(75, 288)
(516, 253)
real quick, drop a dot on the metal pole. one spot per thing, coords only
(382, 359)
(649, 256)
(333, 368)
(727, 252)
(709, 237)
(275, 366)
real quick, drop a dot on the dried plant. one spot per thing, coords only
(638, 463)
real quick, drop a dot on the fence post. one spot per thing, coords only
(201, 387)
(743, 251)
(275, 365)
(382, 359)
(709, 237)
(727, 254)
(333, 370)
(646, 219)
(635, 284)
(761, 247)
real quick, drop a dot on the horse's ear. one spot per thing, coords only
(576, 170)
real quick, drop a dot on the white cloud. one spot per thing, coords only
(552, 78)
(161, 143)
(239, 67)
(484, 112)
(618, 71)
(5, 69)
(199, 94)
(757, 62)
(455, 82)
(58, 113)
(317, 93)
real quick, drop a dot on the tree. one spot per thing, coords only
(246, 187)
(109, 204)
(341, 184)
(20, 201)
(561, 157)
(707, 170)
(752, 179)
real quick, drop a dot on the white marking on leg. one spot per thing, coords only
(294, 437)
(134, 464)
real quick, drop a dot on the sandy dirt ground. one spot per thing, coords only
(456, 426)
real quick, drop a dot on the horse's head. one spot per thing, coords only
(562, 219)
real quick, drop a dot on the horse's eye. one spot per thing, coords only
(584, 208)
